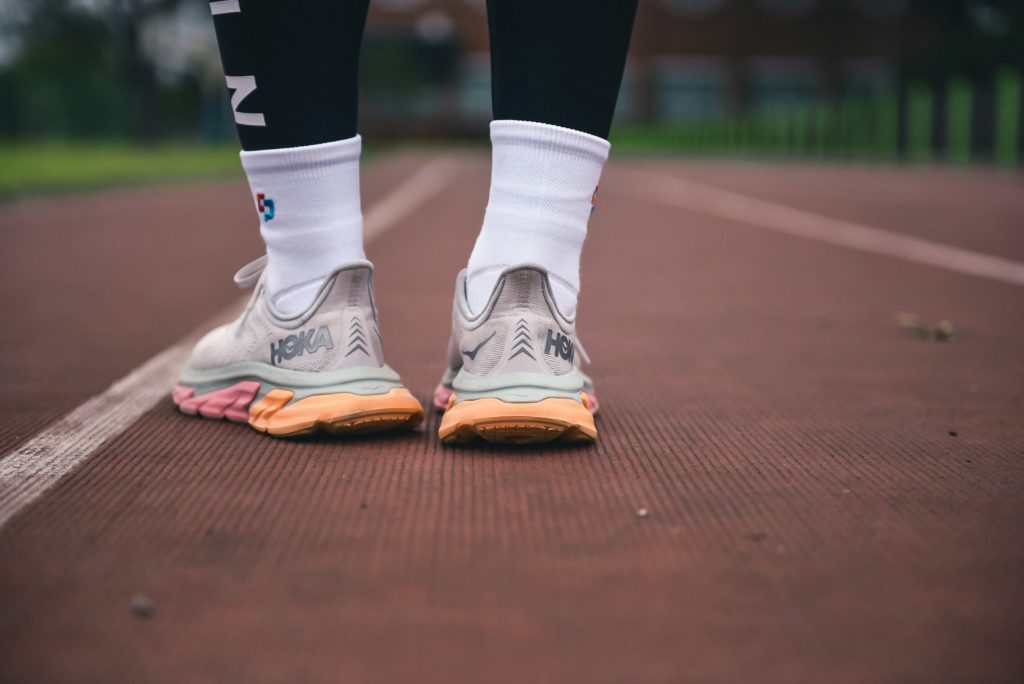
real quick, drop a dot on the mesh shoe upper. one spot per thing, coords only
(519, 331)
(339, 329)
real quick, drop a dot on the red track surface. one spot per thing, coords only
(811, 517)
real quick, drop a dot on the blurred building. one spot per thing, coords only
(689, 59)
(879, 78)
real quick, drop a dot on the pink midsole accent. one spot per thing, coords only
(592, 404)
(230, 402)
(441, 396)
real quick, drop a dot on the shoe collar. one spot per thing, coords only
(250, 274)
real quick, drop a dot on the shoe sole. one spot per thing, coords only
(555, 419)
(340, 413)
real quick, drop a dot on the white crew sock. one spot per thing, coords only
(543, 180)
(311, 220)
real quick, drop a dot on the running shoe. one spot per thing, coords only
(513, 372)
(290, 375)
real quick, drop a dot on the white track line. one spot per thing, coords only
(429, 180)
(224, 7)
(705, 199)
(31, 469)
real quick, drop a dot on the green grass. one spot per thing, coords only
(44, 168)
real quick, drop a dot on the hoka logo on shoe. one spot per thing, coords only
(559, 345)
(306, 342)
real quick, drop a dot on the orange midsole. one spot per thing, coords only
(273, 408)
(554, 410)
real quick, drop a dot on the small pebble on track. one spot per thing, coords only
(142, 607)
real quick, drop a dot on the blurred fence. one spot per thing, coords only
(955, 121)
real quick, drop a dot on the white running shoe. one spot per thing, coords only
(290, 375)
(513, 373)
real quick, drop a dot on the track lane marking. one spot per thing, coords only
(28, 471)
(740, 208)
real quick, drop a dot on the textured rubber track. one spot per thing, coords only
(787, 487)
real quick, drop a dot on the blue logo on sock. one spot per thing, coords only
(265, 205)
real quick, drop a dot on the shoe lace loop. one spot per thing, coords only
(248, 275)
(582, 350)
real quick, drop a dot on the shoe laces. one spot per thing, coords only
(582, 350)
(249, 275)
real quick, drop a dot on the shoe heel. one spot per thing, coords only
(555, 419)
(338, 413)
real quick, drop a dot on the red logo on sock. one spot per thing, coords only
(265, 206)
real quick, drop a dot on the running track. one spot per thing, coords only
(811, 515)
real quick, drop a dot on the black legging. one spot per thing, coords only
(559, 61)
(293, 66)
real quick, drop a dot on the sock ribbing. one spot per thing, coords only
(310, 215)
(543, 180)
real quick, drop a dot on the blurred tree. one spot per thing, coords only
(972, 37)
(80, 69)
(60, 81)
(126, 19)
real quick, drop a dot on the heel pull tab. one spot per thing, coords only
(358, 286)
(523, 281)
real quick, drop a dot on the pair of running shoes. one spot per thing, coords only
(513, 372)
